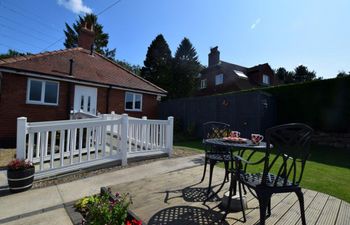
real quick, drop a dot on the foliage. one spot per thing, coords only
(343, 74)
(17, 164)
(136, 69)
(102, 210)
(12, 53)
(324, 104)
(300, 74)
(157, 65)
(101, 38)
(185, 69)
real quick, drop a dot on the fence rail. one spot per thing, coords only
(61, 146)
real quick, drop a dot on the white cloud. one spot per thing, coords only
(257, 21)
(76, 6)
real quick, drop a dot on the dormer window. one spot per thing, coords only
(219, 79)
(266, 79)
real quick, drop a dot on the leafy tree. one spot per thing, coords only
(101, 38)
(185, 69)
(136, 69)
(302, 74)
(343, 74)
(157, 65)
(12, 53)
(284, 75)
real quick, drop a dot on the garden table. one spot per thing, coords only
(235, 148)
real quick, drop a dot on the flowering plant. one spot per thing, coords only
(104, 210)
(18, 164)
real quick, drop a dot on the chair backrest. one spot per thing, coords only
(215, 130)
(291, 144)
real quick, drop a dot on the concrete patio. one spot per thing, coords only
(165, 188)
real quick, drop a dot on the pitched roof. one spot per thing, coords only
(94, 68)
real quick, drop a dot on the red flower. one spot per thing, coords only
(133, 222)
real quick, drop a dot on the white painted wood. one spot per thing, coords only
(81, 131)
(62, 135)
(169, 139)
(52, 149)
(21, 137)
(124, 138)
(121, 135)
(30, 146)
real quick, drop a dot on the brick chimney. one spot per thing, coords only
(86, 36)
(213, 57)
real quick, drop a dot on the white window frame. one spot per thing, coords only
(203, 84)
(133, 102)
(267, 80)
(219, 79)
(43, 86)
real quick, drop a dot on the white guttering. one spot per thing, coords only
(77, 81)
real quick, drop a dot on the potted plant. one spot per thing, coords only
(20, 175)
(106, 209)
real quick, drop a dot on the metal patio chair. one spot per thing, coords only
(213, 154)
(282, 172)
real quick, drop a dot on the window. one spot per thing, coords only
(133, 101)
(203, 84)
(42, 92)
(266, 79)
(219, 79)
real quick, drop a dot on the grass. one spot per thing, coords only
(6, 155)
(327, 170)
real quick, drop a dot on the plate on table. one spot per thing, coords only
(235, 140)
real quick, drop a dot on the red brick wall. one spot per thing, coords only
(13, 105)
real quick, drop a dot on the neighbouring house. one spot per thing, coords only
(48, 86)
(221, 77)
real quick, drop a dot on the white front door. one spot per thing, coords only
(85, 99)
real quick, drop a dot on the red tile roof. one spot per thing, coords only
(94, 68)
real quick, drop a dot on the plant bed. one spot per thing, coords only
(103, 209)
(20, 175)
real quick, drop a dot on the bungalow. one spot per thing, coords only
(48, 86)
(221, 76)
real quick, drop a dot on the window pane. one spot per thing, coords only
(89, 102)
(35, 90)
(138, 101)
(51, 89)
(128, 101)
(82, 102)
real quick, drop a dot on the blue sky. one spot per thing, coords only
(284, 33)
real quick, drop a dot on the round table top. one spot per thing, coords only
(228, 143)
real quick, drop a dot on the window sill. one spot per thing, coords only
(132, 110)
(41, 103)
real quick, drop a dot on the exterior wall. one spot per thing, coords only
(13, 104)
(210, 74)
(256, 76)
(13, 93)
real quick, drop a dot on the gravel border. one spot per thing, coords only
(81, 174)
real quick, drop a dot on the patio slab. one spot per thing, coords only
(54, 217)
(166, 189)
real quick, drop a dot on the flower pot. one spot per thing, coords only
(20, 180)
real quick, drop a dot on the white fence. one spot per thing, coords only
(67, 145)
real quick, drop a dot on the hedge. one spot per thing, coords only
(323, 104)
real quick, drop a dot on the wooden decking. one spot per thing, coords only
(172, 199)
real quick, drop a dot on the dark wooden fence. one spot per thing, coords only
(247, 112)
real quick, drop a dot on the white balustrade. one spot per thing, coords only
(62, 146)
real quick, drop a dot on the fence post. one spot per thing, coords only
(21, 137)
(124, 139)
(169, 133)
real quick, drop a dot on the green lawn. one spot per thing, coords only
(327, 170)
